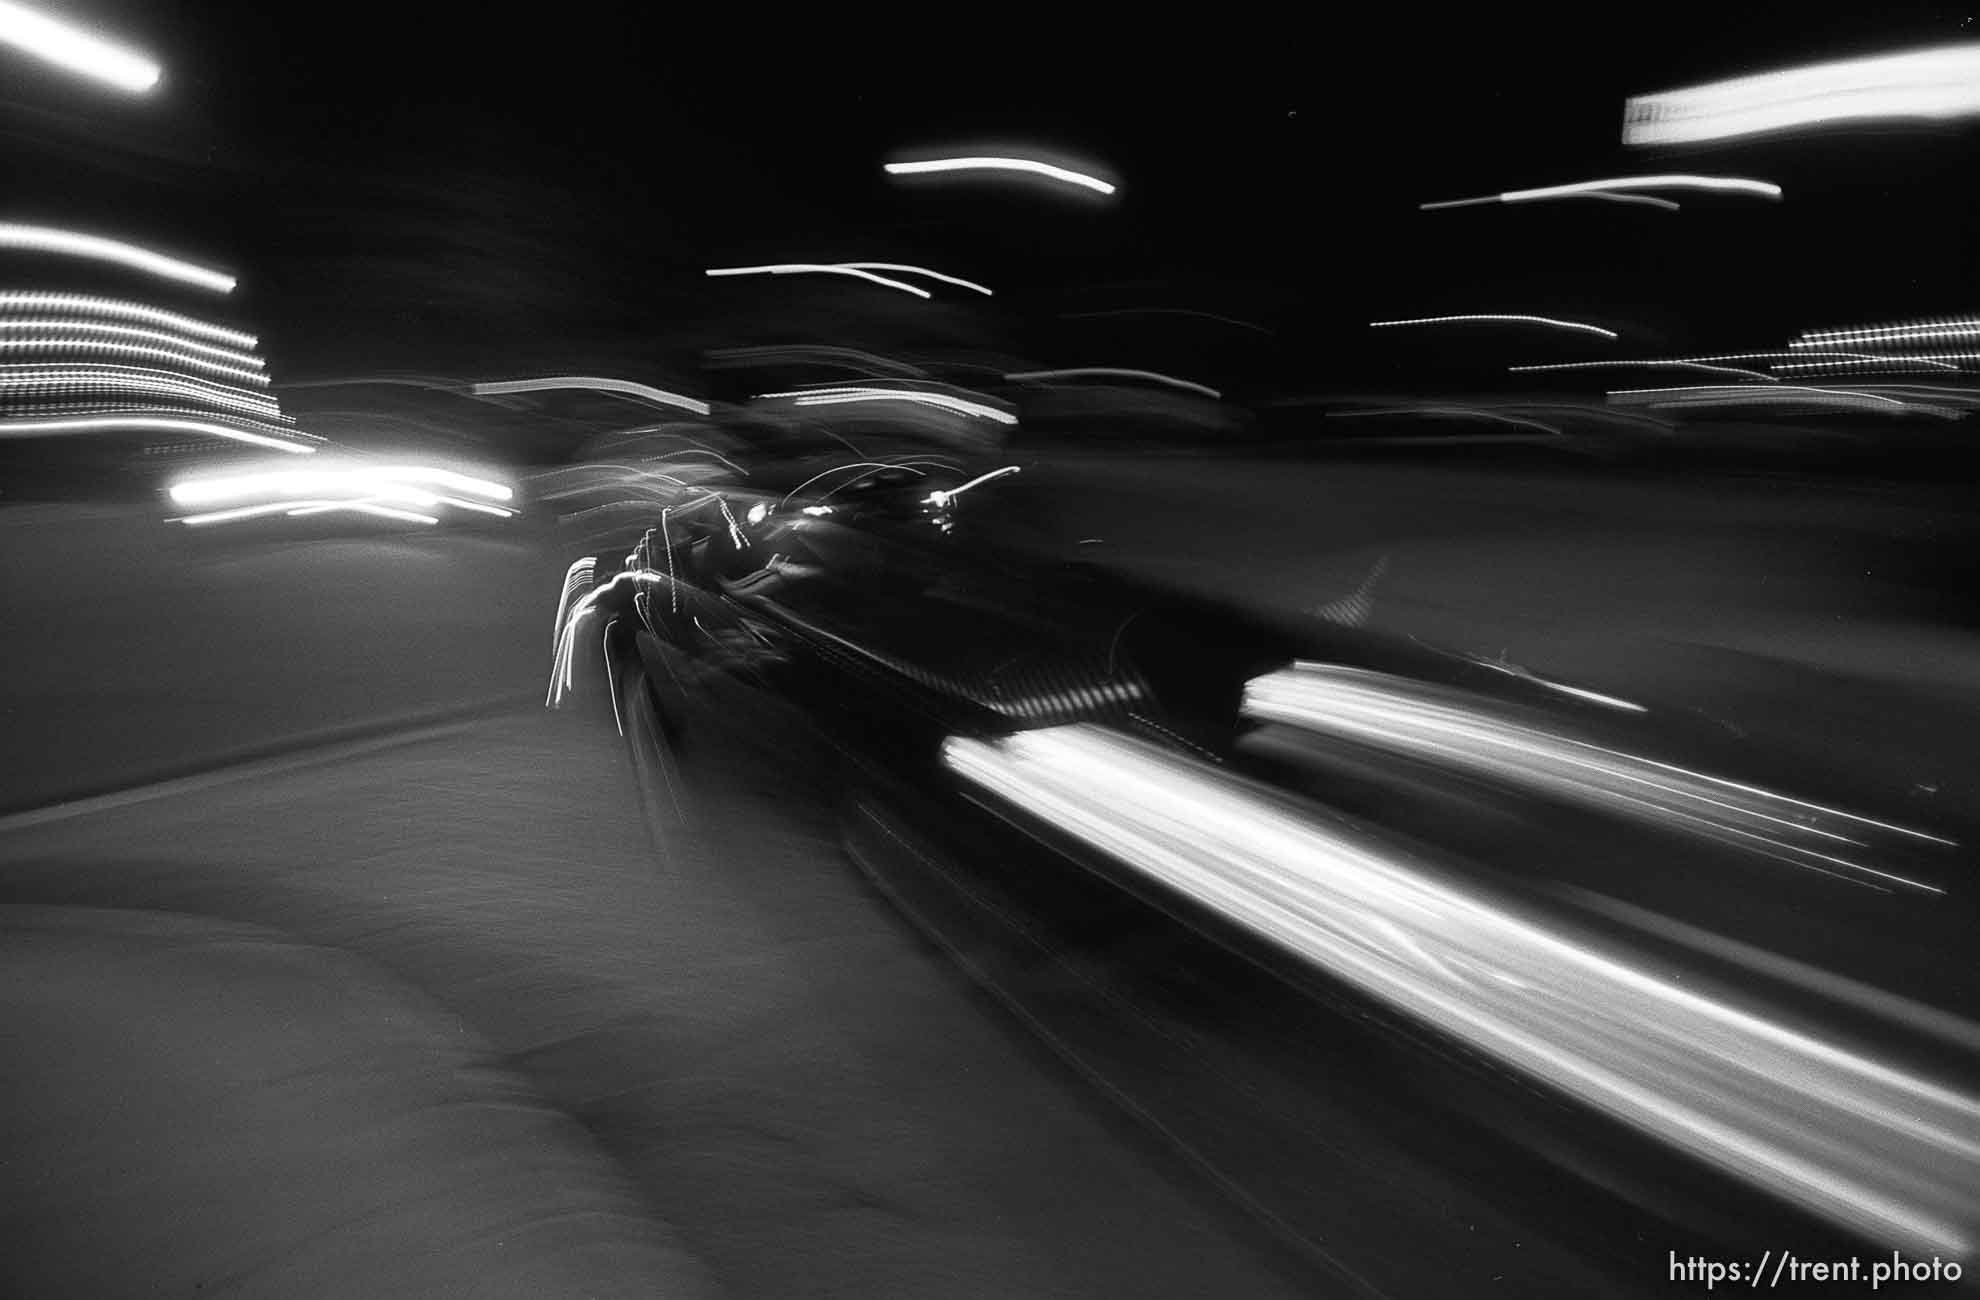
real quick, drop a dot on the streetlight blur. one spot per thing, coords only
(76, 49)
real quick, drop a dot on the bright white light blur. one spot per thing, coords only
(1496, 319)
(76, 49)
(1878, 1149)
(70, 243)
(1032, 166)
(1926, 331)
(758, 513)
(820, 268)
(1116, 372)
(404, 483)
(118, 308)
(1621, 187)
(816, 511)
(79, 424)
(596, 384)
(918, 270)
(1922, 85)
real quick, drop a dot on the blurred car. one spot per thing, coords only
(1428, 963)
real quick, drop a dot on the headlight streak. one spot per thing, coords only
(1562, 688)
(1115, 372)
(70, 243)
(362, 508)
(49, 380)
(1702, 366)
(944, 498)
(594, 383)
(76, 49)
(1922, 85)
(103, 347)
(1028, 165)
(121, 309)
(332, 480)
(819, 268)
(1869, 1146)
(60, 426)
(1497, 319)
(1620, 187)
(1453, 729)
(917, 270)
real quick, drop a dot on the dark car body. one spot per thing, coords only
(898, 609)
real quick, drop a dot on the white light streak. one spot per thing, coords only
(944, 498)
(69, 243)
(595, 383)
(1652, 365)
(917, 270)
(109, 379)
(1880, 1150)
(136, 334)
(102, 347)
(1921, 85)
(1029, 165)
(1776, 395)
(141, 313)
(76, 49)
(78, 424)
(820, 268)
(864, 393)
(1931, 331)
(1116, 372)
(1621, 187)
(1496, 319)
(362, 508)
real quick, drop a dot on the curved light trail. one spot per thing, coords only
(1497, 319)
(70, 243)
(1116, 372)
(595, 384)
(1030, 165)
(819, 268)
(1623, 187)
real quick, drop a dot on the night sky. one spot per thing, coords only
(466, 189)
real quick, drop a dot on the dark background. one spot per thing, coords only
(467, 188)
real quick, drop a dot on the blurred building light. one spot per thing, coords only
(1032, 166)
(1116, 372)
(136, 334)
(1927, 85)
(820, 268)
(1622, 188)
(76, 49)
(103, 347)
(109, 381)
(595, 384)
(1943, 329)
(80, 424)
(1497, 319)
(91, 305)
(69, 243)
